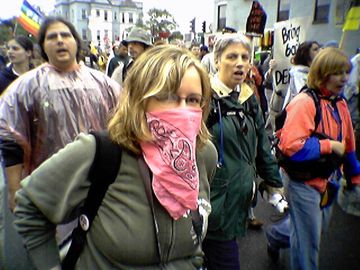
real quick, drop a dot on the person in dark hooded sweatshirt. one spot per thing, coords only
(20, 52)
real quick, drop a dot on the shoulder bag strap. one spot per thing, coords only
(146, 177)
(102, 173)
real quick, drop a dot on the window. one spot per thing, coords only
(115, 16)
(84, 34)
(97, 13)
(322, 8)
(341, 9)
(83, 14)
(105, 15)
(123, 17)
(98, 35)
(131, 19)
(283, 10)
(106, 34)
(221, 17)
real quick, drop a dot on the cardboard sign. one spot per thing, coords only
(255, 23)
(288, 35)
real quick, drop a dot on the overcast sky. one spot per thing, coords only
(182, 10)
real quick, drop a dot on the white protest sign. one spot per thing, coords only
(288, 35)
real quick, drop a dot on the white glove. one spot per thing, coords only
(278, 201)
(204, 210)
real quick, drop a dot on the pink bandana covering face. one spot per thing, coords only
(171, 158)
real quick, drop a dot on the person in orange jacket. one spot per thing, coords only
(311, 199)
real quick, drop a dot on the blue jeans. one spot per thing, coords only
(278, 234)
(308, 221)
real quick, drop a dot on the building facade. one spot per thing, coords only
(327, 18)
(100, 21)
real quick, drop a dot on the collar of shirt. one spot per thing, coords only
(222, 90)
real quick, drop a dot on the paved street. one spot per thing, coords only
(340, 247)
(253, 254)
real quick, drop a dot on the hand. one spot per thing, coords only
(204, 211)
(272, 64)
(337, 148)
(279, 202)
(275, 196)
(265, 190)
(13, 175)
(272, 190)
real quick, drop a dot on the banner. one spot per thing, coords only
(30, 18)
(352, 21)
(255, 23)
(288, 35)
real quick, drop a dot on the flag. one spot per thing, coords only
(352, 21)
(30, 18)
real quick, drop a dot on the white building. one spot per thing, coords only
(100, 21)
(327, 17)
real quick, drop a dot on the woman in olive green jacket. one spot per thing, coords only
(159, 121)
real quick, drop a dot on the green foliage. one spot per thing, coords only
(160, 21)
(140, 22)
(176, 35)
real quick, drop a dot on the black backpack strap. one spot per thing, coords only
(314, 95)
(219, 111)
(213, 117)
(280, 118)
(102, 173)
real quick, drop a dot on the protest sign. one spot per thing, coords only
(255, 23)
(288, 35)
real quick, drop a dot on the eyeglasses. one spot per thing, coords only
(192, 100)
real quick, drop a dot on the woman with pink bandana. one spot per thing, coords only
(159, 121)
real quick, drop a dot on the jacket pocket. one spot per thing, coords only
(218, 197)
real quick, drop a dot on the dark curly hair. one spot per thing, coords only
(302, 56)
(42, 33)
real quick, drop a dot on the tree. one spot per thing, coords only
(160, 21)
(176, 35)
(140, 21)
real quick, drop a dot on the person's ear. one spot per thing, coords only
(29, 54)
(217, 63)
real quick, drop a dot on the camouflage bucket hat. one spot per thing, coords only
(139, 35)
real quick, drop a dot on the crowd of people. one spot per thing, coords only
(194, 127)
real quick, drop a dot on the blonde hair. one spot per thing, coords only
(328, 61)
(158, 70)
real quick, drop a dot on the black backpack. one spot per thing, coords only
(310, 169)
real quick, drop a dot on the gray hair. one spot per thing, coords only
(223, 41)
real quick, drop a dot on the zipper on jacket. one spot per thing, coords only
(171, 241)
